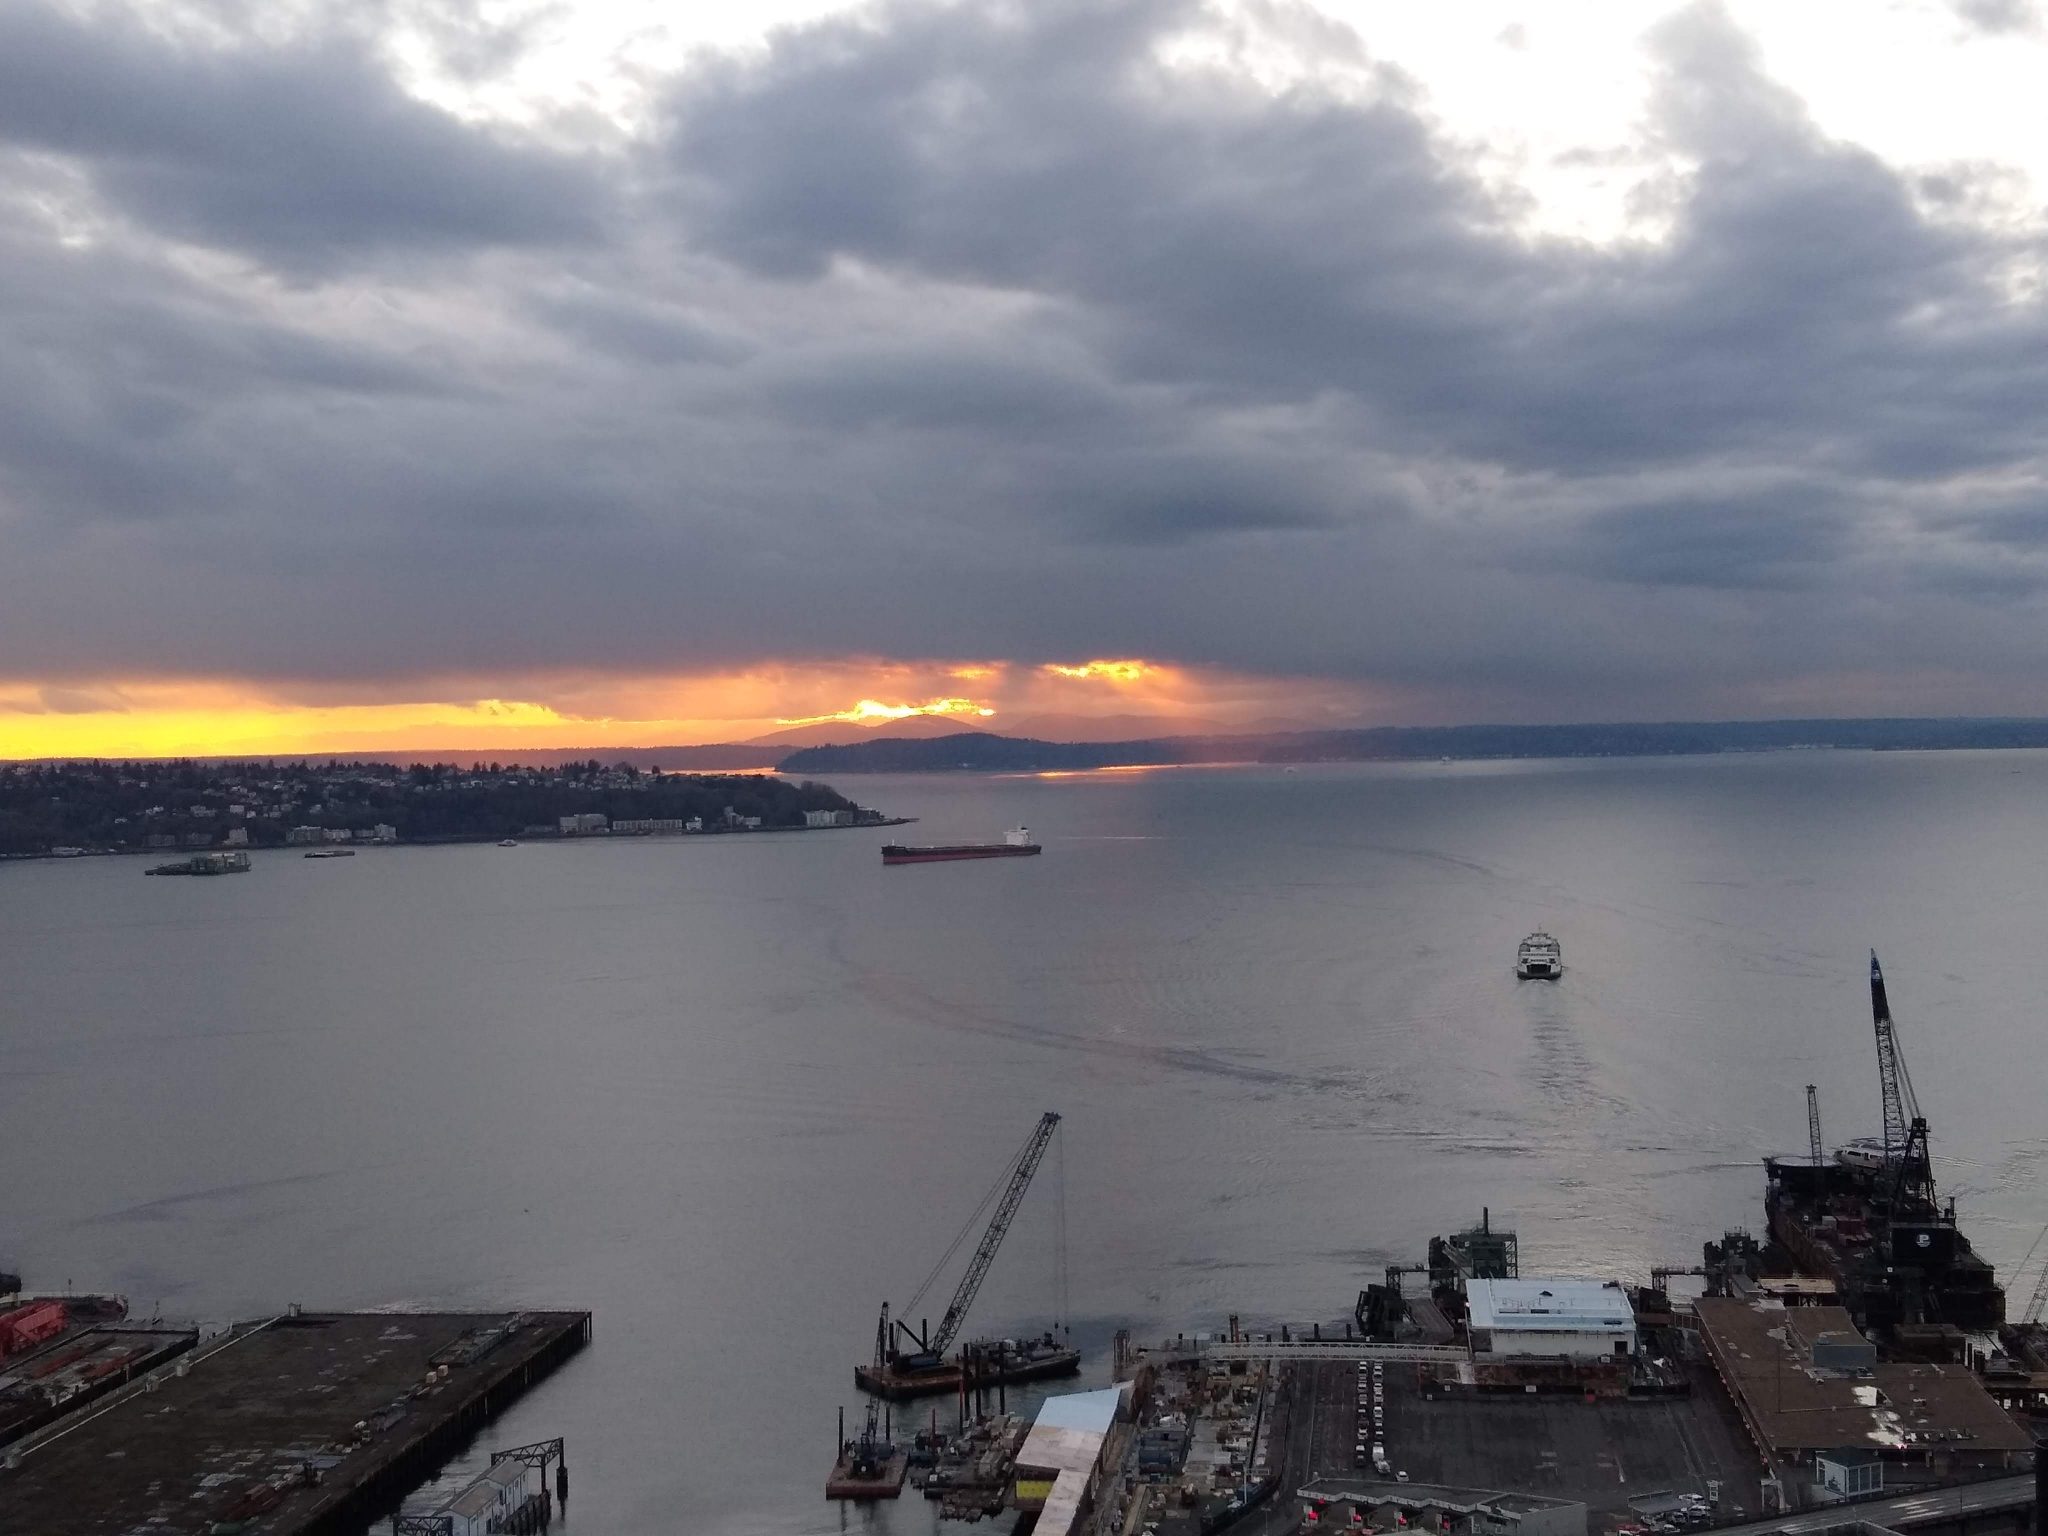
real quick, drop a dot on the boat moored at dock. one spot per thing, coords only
(1870, 1221)
(910, 1362)
(987, 1363)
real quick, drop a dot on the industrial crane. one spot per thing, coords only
(1905, 1130)
(1813, 1142)
(929, 1353)
(2031, 1318)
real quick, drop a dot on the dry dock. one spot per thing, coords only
(316, 1422)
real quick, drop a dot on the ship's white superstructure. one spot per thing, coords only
(1539, 959)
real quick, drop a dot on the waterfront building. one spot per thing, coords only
(1579, 1319)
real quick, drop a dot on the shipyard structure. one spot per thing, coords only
(1847, 1369)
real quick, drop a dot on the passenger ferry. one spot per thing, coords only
(1539, 958)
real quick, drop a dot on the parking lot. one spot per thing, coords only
(1603, 1453)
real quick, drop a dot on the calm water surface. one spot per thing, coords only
(731, 1093)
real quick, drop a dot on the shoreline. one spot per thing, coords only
(483, 840)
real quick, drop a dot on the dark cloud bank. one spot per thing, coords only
(974, 331)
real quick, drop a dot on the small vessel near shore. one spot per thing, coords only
(1539, 958)
(508, 842)
(232, 861)
(1016, 843)
(330, 853)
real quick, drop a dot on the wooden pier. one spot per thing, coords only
(320, 1423)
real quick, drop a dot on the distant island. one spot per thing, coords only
(116, 807)
(109, 807)
(989, 753)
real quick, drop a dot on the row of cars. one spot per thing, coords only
(1679, 1512)
(1372, 1418)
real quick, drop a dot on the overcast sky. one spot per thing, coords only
(652, 379)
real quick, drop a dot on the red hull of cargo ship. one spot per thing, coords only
(896, 855)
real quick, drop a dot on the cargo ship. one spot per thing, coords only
(1016, 843)
(232, 862)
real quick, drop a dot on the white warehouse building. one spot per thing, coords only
(1582, 1319)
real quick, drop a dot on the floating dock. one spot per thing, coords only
(319, 1423)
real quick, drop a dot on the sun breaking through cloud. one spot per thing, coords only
(868, 711)
(1111, 671)
(359, 364)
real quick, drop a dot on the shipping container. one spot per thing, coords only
(30, 1325)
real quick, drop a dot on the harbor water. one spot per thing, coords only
(730, 1094)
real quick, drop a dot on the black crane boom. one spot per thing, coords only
(992, 1239)
(1900, 1111)
(1905, 1131)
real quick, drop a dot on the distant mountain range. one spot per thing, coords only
(925, 744)
(1067, 728)
(839, 732)
(987, 752)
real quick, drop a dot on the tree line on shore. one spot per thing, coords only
(103, 805)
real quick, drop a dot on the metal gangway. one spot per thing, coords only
(1245, 1347)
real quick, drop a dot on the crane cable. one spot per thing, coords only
(973, 1220)
(1064, 1319)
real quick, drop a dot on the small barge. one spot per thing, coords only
(911, 1362)
(1016, 843)
(995, 1363)
(871, 1467)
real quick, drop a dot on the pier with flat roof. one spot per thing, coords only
(316, 1422)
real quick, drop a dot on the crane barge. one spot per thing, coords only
(912, 1362)
(1871, 1221)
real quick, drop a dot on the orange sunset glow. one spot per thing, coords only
(1108, 671)
(226, 717)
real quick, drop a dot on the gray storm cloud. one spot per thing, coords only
(963, 331)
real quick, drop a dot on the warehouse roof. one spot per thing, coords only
(1549, 1306)
(1765, 1354)
(1091, 1411)
(1066, 1441)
